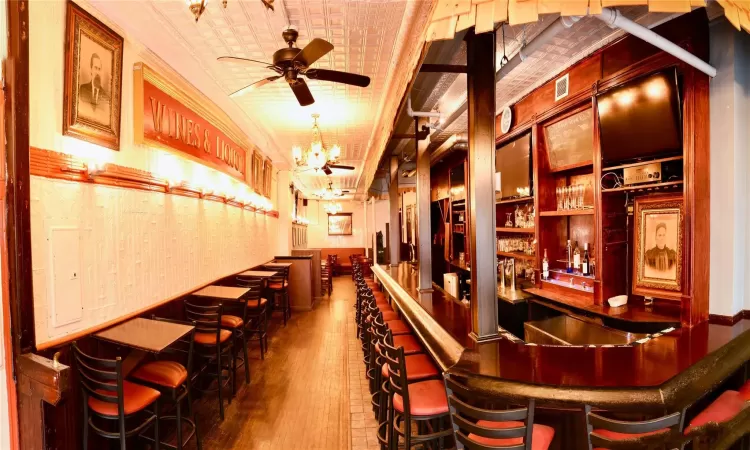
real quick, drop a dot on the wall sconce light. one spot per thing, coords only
(95, 168)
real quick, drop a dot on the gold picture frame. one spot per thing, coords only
(340, 224)
(258, 172)
(92, 98)
(658, 247)
(267, 178)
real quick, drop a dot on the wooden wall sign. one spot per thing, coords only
(166, 117)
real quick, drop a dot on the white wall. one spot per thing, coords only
(135, 248)
(729, 105)
(317, 230)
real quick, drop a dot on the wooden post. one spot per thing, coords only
(424, 225)
(395, 239)
(480, 55)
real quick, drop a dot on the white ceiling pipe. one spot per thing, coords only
(615, 19)
(413, 113)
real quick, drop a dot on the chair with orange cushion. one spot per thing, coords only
(212, 344)
(235, 323)
(108, 397)
(421, 402)
(278, 285)
(256, 314)
(171, 378)
(611, 434)
(479, 426)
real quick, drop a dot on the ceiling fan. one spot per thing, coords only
(291, 62)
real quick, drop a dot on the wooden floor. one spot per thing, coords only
(309, 392)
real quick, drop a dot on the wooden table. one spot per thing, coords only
(143, 336)
(222, 292)
(278, 265)
(257, 274)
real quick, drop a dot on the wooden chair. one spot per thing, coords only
(278, 285)
(107, 396)
(172, 378)
(236, 324)
(326, 283)
(664, 432)
(214, 345)
(477, 426)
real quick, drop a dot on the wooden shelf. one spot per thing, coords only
(643, 187)
(568, 212)
(641, 163)
(517, 255)
(575, 166)
(515, 230)
(515, 200)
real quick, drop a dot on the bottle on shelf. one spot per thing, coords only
(569, 253)
(576, 258)
(545, 266)
(585, 264)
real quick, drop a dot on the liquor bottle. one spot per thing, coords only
(585, 265)
(569, 252)
(545, 266)
(576, 257)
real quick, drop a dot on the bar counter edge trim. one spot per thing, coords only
(441, 346)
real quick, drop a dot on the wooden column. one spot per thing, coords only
(395, 228)
(367, 229)
(480, 55)
(424, 226)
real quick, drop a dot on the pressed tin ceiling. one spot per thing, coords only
(370, 38)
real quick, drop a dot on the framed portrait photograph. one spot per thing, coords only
(93, 80)
(267, 178)
(659, 227)
(340, 224)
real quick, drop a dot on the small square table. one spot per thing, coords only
(143, 336)
(257, 273)
(279, 265)
(222, 292)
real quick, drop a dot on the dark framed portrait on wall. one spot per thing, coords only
(659, 227)
(340, 224)
(93, 80)
(267, 177)
(258, 172)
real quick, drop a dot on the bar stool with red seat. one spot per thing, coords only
(612, 434)
(725, 408)
(422, 402)
(214, 345)
(171, 378)
(236, 324)
(107, 396)
(478, 426)
(279, 287)
(256, 314)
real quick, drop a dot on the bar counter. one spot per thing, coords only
(667, 372)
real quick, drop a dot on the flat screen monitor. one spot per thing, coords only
(513, 167)
(641, 119)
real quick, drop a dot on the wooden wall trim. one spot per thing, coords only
(61, 166)
(720, 319)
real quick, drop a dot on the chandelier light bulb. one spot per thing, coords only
(197, 7)
(297, 153)
(335, 153)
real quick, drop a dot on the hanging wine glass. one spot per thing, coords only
(508, 222)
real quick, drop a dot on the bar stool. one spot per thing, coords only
(279, 287)
(423, 402)
(610, 434)
(478, 426)
(170, 378)
(236, 324)
(711, 420)
(326, 286)
(108, 397)
(214, 345)
(256, 314)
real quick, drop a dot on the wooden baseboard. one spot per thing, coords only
(729, 320)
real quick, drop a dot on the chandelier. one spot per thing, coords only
(316, 157)
(330, 192)
(332, 208)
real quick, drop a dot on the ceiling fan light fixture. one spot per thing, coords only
(197, 7)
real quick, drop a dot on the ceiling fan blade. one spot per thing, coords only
(339, 166)
(313, 51)
(242, 60)
(302, 92)
(327, 170)
(254, 86)
(338, 77)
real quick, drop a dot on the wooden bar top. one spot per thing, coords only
(670, 369)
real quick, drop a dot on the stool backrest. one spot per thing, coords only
(660, 432)
(207, 318)
(100, 378)
(394, 356)
(282, 276)
(254, 284)
(468, 406)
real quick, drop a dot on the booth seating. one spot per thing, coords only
(342, 263)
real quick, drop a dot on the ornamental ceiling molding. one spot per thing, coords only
(412, 34)
(451, 16)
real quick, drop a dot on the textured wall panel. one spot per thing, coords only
(138, 248)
